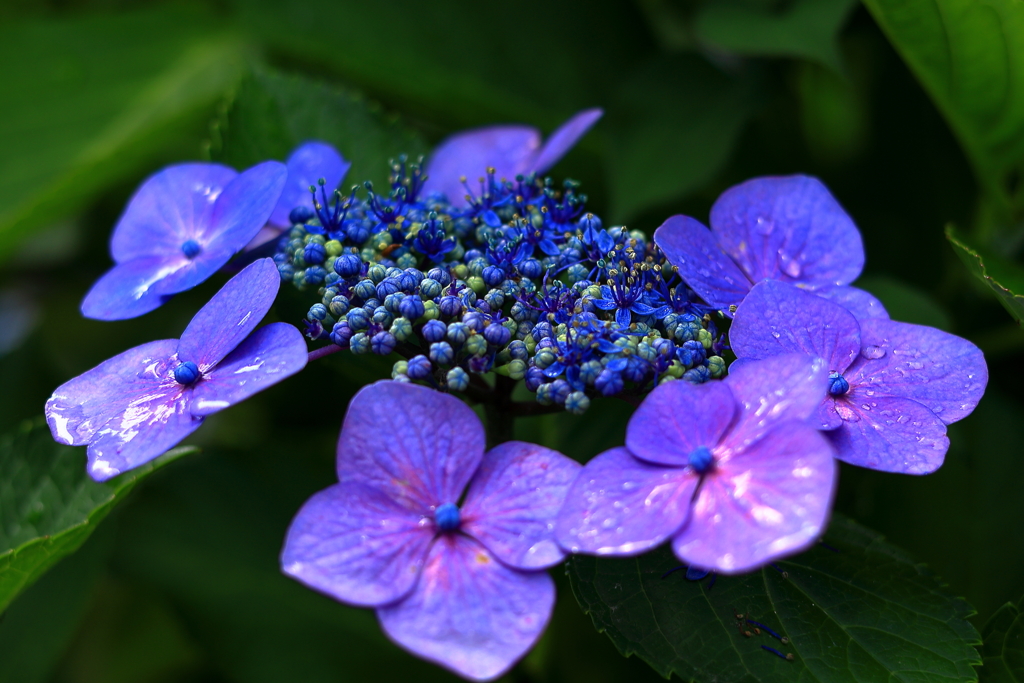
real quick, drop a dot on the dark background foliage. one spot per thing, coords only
(180, 583)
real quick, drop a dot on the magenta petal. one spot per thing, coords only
(787, 387)
(242, 209)
(80, 407)
(470, 613)
(169, 208)
(310, 162)
(690, 247)
(762, 503)
(412, 442)
(266, 357)
(150, 424)
(889, 434)
(778, 318)
(564, 139)
(620, 505)
(508, 149)
(357, 545)
(788, 228)
(863, 305)
(130, 289)
(513, 500)
(230, 315)
(677, 418)
(944, 372)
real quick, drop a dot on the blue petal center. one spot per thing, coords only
(701, 459)
(837, 384)
(186, 373)
(447, 517)
(191, 249)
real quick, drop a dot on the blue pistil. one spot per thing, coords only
(446, 517)
(186, 373)
(701, 460)
(191, 249)
(837, 384)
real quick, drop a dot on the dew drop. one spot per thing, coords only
(872, 352)
(764, 226)
(792, 268)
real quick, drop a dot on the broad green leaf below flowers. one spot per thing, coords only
(49, 506)
(1004, 278)
(1003, 648)
(96, 99)
(968, 55)
(857, 609)
(274, 112)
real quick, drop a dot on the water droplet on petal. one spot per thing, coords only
(872, 352)
(764, 226)
(792, 268)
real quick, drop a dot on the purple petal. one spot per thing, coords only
(564, 139)
(230, 315)
(266, 357)
(129, 289)
(677, 418)
(762, 503)
(889, 434)
(306, 165)
(513, 500)
(862, 304)
(787, 387)
(778, 318)
(508, 149)
(788, 228)
(169, 208)
(690, 247)
(80, 407)
(620, 505)
(412, 442)
(241, 210)
(944, 372)
(357, 545)
(469, 613)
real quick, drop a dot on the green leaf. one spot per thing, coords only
(967, 55)
(1002, 277)
(906, 303)
(857, 609)
(274, 112)
(49, 505)
(1003, 650)
(675, 125)
(105, 95)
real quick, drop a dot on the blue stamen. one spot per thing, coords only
(446, 517)
(788, 657)
(186, 373)
(191, 249)
(837, 384)
(701, 460)
(765, 628)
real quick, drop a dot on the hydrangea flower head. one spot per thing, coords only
(138, 404)
(510, 150)
(456, 580)
(730, 471)
(179, 228)
(893, 386)
(780, 228)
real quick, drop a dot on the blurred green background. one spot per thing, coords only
(912, 112)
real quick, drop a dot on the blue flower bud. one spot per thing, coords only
(387, 286)
(382, 316)
(560, 391)
(342, 333)
(430, 288)
(457, 379)
(688, 327)
(577, 272)
(609, 382)
(543, 358)
(357, 319)
(701, 459)
(446, 517)
(365, 289)
(544, 395)
(518, 350)
(636, 369)
(383, 343)
(493, 276)
(534, 378)
(392, 301)
(442, 353)
(476, 345)
(317, 312)
(314, 253)
(473, 320)
(496, 334)
(402, 329)
(530, 268)
(495, 299)
(590, 370)
(186, 373)
(359, 343)
(697, 375)
(411, 307)
(419, 367)
(191, 249)
(577, 403)
(450, 306)
(348, 265)
(716, 366)
(315, 275)
(458, 333)
(434, 330)
(837, 384)
(376, 273)
(542, 330)
(516, 369)
(300, 214)
(439, 275)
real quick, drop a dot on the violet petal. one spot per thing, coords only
(307, 164)
(690, 247)
(470, 613)
(357, 545)
(564, 139)
(788, 228)
(128, 289)
(778, 318)
(266, 357)
(513, 500)
(889, 434)
(412, 442)
(677, 418)
(862, 304)
(761, 503)
(620, 505)
(507, 149)
(230, 315)
(944, 372)
(170, 207)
